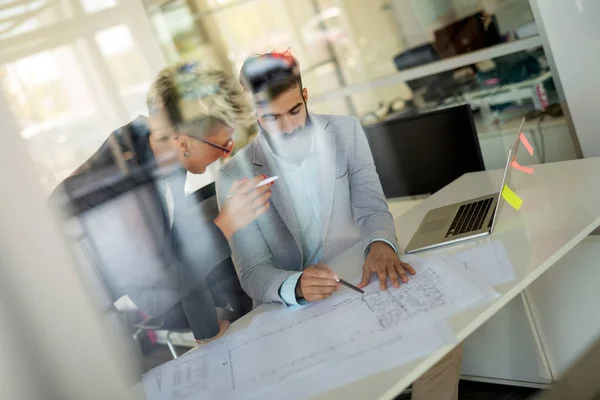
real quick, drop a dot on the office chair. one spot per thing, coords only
(223, 281)
(225, 286)
(174, 321)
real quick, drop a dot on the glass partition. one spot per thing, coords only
(73, 71)
(178, 235)
(387, 59)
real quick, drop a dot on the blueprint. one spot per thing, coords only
(197, 375)
(489, 262)
(329, 343)
(152, 384)
(438, 290)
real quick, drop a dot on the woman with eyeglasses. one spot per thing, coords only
(170, 256)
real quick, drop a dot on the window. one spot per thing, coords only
(388, 58)
(91, 6)
(61, 119)
(127, 67)
(73, 77)
(26, 16)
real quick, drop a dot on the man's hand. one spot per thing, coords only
(317, 282)
(384, 261)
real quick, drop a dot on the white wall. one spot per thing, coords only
(69, 354)
(417, 19)
(571, 31)
(564, 303)
(504, 348)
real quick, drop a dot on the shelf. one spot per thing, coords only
(433, 68)
(487, 129)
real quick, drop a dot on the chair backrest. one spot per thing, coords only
(204, 202)
(86, 260)
(112, 319)
(205, 193)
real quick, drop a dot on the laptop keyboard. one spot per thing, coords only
(491, 220)
(469, 217)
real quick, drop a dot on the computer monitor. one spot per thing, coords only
(423, 153)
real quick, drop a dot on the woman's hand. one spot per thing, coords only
(244, 203)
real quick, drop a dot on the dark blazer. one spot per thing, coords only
(125, 217)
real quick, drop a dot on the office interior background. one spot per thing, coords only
(72, 71)
(76, 70)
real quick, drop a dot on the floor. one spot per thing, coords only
(468, 390)
(160, 354)
(486, 391)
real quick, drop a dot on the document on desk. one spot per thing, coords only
(369, 354)
(438, 290)
(329, 343)
(489, 262)
(201, 374)
(152, 384)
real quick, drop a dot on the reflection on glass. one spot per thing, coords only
(91, 6)
(212, 4)
(178, 34)
(56, 110)
(226, 36)
(25, 16)
(127, 66)
(354, 56)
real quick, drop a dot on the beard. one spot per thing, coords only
(294, 146)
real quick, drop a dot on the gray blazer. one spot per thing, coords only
(269, 250)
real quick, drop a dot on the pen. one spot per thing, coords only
(266, 181)
(350, 286)
(259, 184)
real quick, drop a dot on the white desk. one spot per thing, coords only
(561, 207)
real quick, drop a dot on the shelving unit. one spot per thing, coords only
(433, 68)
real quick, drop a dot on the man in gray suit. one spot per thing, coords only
(328, 198)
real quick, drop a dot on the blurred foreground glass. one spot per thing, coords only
(19, 17)
(61, 118)
(91, 6)
(127, 66)
(67, 90)
(55, 341)
(386, 59)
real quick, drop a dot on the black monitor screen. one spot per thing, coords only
(421, 154)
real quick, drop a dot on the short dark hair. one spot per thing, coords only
(269, 75)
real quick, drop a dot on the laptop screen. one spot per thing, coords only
(512, 153)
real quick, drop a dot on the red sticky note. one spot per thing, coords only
(516, 165)
(526, 143)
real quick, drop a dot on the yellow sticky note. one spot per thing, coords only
(512, 198)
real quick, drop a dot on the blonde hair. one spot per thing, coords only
(193, 95)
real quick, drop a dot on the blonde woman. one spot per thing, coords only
(149, 243)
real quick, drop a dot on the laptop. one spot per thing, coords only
(466, 220)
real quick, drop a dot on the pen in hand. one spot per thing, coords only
(259, 184)
(350, 286)
(266, 181)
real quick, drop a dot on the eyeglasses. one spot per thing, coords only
(227, 149)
